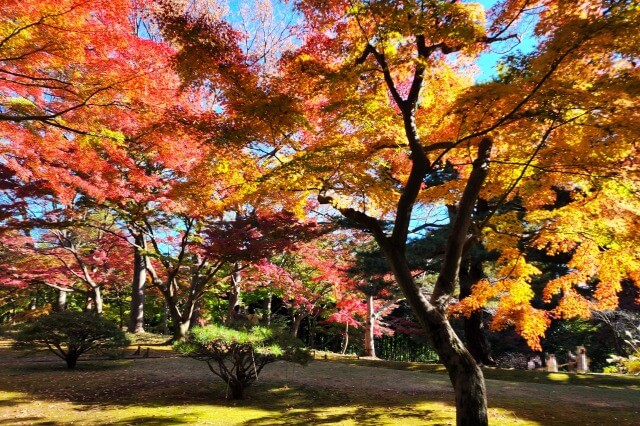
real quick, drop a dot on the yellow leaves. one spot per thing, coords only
(482, 292)
(572, 305)
(530, 323)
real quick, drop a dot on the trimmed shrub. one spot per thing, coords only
(70, 334)
(238, 356)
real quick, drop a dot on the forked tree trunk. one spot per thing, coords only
(181, 329)
(295, 326)
(465, 374)
(369, 339)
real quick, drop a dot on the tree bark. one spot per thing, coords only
(136, 315)
(96, 295)
(369, 340)
(295, 326)
(61, 301)
(473, 325)
(233, 294)
(464, 372)
(266, 306)
(345, 341)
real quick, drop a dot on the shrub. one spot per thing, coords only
(70, 334)
(238, 356)
(630, 364)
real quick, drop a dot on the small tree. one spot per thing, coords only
(70, 334)
(238, 356)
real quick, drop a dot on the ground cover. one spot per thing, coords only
(165, 389)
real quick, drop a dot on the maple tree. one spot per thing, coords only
(198, 131)
(387, 105)
(197, 252)
(87, 97)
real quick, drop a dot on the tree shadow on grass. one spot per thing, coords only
(32, 420)
(190, 394)
(148, 421)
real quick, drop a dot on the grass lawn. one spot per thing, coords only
(171, 390)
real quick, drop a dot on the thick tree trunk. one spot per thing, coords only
(180, 329)
(136, 315)
(195, 316)
(465, 374)
(71, 360)
(182, 322)
(369, 342)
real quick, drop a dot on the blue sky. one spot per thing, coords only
(488, 61)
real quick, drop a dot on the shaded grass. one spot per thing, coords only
(172, 390)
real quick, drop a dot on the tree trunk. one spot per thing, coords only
(345, 342)
(195, 316)
(136, 315)
(71, 359)
(165, 317)
(233, 294)
(475, 338)
(295, 326)
(369, 343)
(182, 322)
(96, 298)
(465, 374)
(180, 329)
(237, 390)
(61, 301)
(266, 306)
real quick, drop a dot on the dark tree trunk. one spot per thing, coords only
(165, 317)
(465, 374)
(475, 338)
(71, 359)
(266, 306)
(237, 390)
(136, 316)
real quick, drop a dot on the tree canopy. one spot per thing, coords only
(212, 140)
